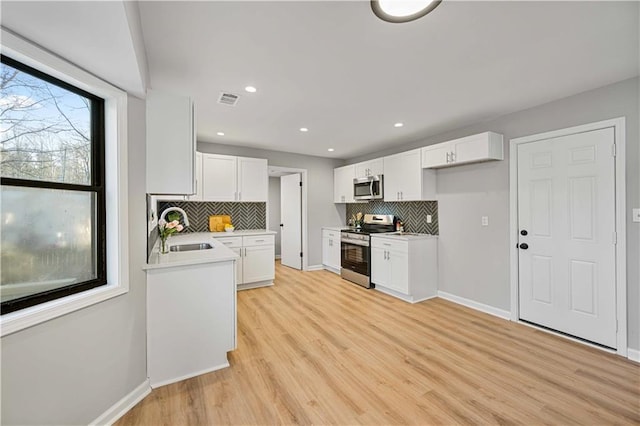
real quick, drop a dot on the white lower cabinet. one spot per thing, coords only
(405, 267)
(191, 320)
(331, 250)
(256, 265)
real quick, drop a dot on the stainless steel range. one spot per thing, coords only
(355, 247)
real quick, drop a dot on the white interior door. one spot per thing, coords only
(566, 225)
(291, 220)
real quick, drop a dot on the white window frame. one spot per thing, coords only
(116, 190)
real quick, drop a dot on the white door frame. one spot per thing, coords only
(618, 125)
(303, 175)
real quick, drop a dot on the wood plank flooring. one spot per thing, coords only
(315, 349)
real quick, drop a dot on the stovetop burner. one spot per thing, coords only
(374, 224)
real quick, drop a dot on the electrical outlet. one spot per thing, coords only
(636, 215)
(429, 219)
(485, 220)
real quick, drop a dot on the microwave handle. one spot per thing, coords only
(371, 188)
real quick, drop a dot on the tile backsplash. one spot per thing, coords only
(412, 213)
(243, 215)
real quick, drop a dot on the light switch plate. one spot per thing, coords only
(429, 219)
(485, 220)
(636, 215)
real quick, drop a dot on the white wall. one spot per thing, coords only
(70, 370)
(473, 261)
(273, 210)
(320, 208)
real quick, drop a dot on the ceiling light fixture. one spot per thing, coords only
(397, 11)
(330, 149)
(304, 129)
(251, 89)
(398, 125)
(220, 133)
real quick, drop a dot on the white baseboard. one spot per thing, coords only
(190, 375)
(278, 256)
(401, 296)
(633, 354)
(315, 268)
(501, 313)
(121, 407)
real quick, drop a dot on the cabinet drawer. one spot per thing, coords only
(258, 240)
(231, 242)
(326, 233)
(389, 244)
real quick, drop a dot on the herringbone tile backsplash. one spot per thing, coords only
(243, 215)
(412, 213)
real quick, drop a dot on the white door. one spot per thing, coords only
(566, 224)
(291, 220)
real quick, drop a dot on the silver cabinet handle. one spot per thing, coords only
(453, 157)
(386, 244)
(448, 160)
(259, 241)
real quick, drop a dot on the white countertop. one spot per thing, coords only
(335, 228)
(407, 236)
(219, 252)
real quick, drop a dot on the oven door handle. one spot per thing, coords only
(356, 243)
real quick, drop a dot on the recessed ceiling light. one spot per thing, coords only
(250, 89)
(398, 125)
(330, 150)
(220, 133)
(304, 129)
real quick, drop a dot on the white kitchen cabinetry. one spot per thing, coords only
(405, 268)
(343, 184)
(171, 144)
(471, 149)
(256, 266)
(230, 178)
(331, 250)
(406, 180)
(253, 179)
(198, 194)
(191, 320)
(369, 168)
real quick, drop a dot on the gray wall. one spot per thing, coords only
(273, 210)
(466, 193)
(320, 208)
(71, 369)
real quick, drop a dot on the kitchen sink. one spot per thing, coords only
(191, 247)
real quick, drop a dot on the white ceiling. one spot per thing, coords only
(335, 68)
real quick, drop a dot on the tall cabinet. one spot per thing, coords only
(171, 144)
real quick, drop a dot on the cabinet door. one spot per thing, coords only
(380, 267)
(326, 251)
(399, 276)
(343, 184)
(334, 252)
(369, 168)
(403, 176)
(258, 263)
(253, 179)
(219, 177)
(239, 262)
(170, 136)
(198, 195)
(482, 147)
(436, 156)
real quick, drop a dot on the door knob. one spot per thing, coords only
(524, 246)
(281, 225)
(524, 232)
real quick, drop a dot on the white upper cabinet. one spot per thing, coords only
(471, 149)
(406, 180)
(343, 184)
(253, 179)
(369, 168)
(171, 144)
(198, 194)
(219, 177)
(230, 178)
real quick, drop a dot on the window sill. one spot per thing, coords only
(25, 318)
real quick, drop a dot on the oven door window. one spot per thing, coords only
(355, 258)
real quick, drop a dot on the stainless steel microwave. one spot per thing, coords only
(368, 188)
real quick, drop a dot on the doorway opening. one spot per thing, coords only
(289, 218)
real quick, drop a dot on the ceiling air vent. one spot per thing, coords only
(228, 98)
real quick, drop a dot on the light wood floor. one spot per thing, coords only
(316, 349)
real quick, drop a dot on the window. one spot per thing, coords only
(52, 167)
